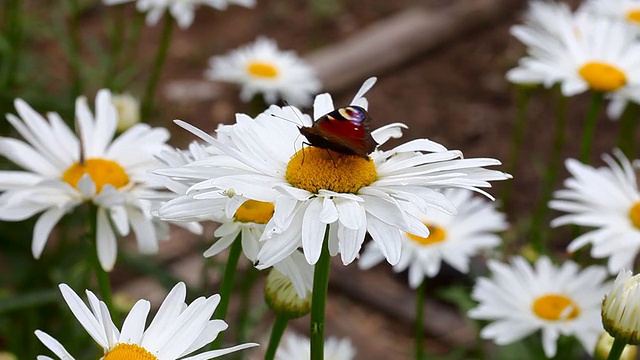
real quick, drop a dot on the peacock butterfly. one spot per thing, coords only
(345, 130)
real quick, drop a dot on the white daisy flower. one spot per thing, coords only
(177, 330)
(581, 52)
(453, 238)
(608, 200)
(239, 217)
(248, 224)
(315, 187)
(62, 171)
(182, 10)
(296, 347)
(626, 10)
(558, 300)
(262, 68)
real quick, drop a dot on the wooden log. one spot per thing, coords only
(404, 36)
(378, 48)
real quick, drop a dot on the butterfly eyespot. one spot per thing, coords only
(352, 114)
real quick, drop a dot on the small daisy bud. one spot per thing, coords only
(128, 108)
(282, 297)
(603, 347)
(123, 302)
(528, 252)
(621, 308)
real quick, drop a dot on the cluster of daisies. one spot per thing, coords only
(279, 199)
(596, 47)
(287, 198)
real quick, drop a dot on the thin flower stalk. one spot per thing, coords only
(319, 299)
(279, 326)
(161, 55)
(590, 126)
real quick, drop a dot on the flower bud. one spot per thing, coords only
(621, 308)
(282, 298)
(128, 108)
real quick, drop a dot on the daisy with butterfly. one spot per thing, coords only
(344, 188)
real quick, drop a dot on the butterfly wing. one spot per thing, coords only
(345, 130)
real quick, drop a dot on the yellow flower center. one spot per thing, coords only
(634, 15)
(101, 171)
(129, 352)
(634, 215)
(253, 211)
(262, 69)
(555, 307)
(315, 169)
(436, 235)
(603, 77)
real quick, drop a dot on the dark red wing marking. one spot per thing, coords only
(344, 130)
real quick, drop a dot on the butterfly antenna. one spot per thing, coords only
(81, 158)
(284, 118)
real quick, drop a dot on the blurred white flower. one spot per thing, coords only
(626, 10)
(296, 347)
(63, 170)
(453, 238)
(607, 199)
(579, 51)
(182, 10)
(262, 68)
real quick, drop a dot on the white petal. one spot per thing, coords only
(106, 241)
(42, 230)
(387, 237)
(217, 353)
(84, 316)
(53, 345)
(312, 231)
(168, 312)
(322, 105)
(134, 323)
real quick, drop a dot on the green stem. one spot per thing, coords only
(242, 324)
(133, 39)
(13, 29)
(226, 286)
(74, 49)
(616, 349)
(626, 135)
(539, 219)
(102, 277)
(419, 326)
(161, 55)
(319, 299)
(516, 141)
(116, 39)
(278, 329)
(257, 105)
(590, 126)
